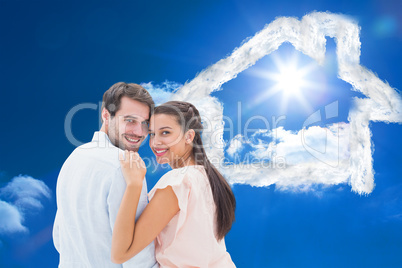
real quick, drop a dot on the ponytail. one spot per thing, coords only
(224, 199)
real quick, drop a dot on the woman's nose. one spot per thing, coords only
(155, 141)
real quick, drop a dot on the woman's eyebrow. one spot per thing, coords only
(150, 129)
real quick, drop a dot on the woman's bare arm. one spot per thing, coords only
(130, 237)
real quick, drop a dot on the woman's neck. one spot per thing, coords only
(185, 160)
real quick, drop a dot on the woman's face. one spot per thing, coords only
(167, 140)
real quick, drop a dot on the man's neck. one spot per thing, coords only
(103, 128)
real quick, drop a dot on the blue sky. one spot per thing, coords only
(55, 55)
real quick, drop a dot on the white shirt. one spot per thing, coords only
(89, 190)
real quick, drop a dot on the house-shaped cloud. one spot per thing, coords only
(308, 35)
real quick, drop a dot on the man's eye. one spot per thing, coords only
(151, 134)
(145, 123)
(130, 120)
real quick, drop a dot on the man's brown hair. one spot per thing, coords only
(112, 96)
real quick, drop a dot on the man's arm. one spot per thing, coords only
(56, 237)
(116, 192)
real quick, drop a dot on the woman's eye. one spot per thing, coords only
(165, 132)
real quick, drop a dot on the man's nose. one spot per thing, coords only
(136, 129)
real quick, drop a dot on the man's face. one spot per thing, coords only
(129, 127)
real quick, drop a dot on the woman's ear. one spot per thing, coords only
(190, 136)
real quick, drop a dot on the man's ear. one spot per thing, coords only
(105, 116)
(190, 136)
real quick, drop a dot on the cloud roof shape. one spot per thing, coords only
(383, 103)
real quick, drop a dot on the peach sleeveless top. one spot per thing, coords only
(189, 238)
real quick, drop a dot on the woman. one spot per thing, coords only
(191, 208)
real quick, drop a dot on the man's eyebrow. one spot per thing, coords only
(130, 116)
(134, 117)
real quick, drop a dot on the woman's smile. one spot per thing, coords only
(160, 152)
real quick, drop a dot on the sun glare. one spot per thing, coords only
(289, 79)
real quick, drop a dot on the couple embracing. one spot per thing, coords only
(105, 216)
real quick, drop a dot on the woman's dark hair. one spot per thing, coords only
(188, 118)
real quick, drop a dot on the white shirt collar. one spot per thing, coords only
(102, 139)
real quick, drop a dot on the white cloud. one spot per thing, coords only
(161, 92)
(11, 219)
(295, 159)
(383, 103)
(22, 195)
(235, 145)
(324, 144)
(298, 178)
(25, 192)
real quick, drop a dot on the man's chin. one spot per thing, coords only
(131, 147)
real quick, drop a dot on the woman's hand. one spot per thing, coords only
(133, 167)
(131, 236)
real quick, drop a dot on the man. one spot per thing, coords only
(90, 185)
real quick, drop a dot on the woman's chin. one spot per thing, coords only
(162, 160)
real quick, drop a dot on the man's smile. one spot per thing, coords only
(132, 139)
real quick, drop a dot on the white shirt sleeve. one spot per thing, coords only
(56, 237)
(116, 192)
